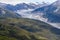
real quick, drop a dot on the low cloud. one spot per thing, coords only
(26, 1)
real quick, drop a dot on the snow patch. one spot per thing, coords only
(57, 25)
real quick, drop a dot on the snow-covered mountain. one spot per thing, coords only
(22, 6)
(51, 12)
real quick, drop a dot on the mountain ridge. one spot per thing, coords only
(51, 12)
(6, 13)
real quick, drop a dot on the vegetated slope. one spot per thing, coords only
(27, 29)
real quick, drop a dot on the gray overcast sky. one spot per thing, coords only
(26, 1)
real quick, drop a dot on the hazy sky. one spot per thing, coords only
(26, 1)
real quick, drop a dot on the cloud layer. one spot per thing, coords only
(26, 1)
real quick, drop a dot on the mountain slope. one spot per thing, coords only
(7, 13)
(51, 12)
(27, 29)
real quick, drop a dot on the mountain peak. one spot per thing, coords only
(57, 3)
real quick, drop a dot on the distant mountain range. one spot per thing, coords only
(21, 6)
